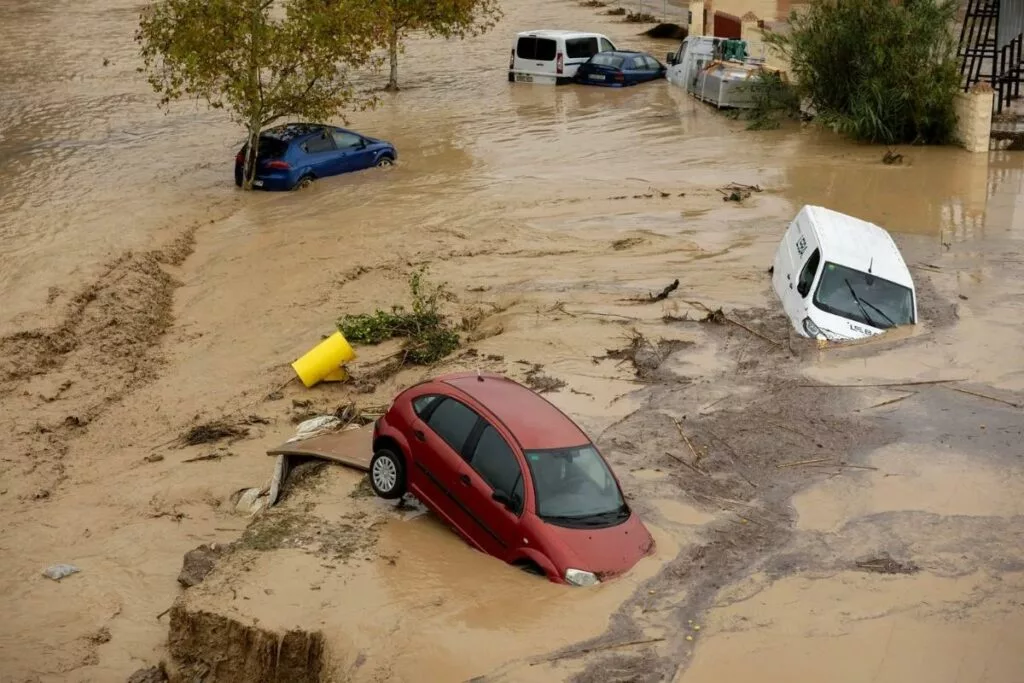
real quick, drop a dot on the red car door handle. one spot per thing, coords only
(420, 435)
(464, 478)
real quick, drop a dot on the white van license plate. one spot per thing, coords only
(596, 77)
(524, 78)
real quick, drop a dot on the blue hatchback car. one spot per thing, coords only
(292, 156)
(620, 68)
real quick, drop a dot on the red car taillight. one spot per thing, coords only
(282, 165)
(240, 158)
(512, 60)
(619, 77)
(559, 63)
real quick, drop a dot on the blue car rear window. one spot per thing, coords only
(607, 60)
(271, 148)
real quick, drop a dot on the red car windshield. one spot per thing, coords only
(575, 485)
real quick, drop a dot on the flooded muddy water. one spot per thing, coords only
(141, 294)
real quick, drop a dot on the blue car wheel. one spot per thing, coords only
(304, 182)
(385, 161)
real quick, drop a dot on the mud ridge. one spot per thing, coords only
(56, 382)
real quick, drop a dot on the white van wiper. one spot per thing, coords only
(864, 311)
(893, 324)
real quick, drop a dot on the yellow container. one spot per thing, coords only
(323, 362)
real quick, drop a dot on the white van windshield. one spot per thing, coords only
(863, 297)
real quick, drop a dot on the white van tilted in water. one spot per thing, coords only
(839, 277)
(553, 56)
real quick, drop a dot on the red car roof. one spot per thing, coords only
(534, 422)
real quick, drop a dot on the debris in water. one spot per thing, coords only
(667, 31)
(663, 294)
(541, 383)
(737, 192)
(212, 431)
(155, 457)
(892, 157)
(716, 316)
(59, 571)
(884, 564)
(198, 563)
(645, 355)
(627, 242)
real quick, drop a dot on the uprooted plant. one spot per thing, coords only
(429, 334)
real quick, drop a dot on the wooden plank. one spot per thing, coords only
(352, 448)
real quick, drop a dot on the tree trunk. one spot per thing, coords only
(251, 153)
(393, 58)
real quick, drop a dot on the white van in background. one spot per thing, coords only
(553, 56)
(839, 277)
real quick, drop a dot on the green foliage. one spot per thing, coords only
(428, 332)
(396, 19)
(774, 98)
(259, 60)
(877, 70)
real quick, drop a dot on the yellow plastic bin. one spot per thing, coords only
(323, 362)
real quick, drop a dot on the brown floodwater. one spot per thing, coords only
(512, 194)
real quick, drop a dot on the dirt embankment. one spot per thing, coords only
(218, 648)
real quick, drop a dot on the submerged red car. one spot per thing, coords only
(512, 474)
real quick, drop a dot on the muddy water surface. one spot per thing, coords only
(520, 197)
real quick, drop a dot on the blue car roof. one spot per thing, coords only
(293, 131)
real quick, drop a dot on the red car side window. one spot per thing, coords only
(496, 463)
(453, 422)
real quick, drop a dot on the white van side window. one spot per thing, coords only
(606, 45)
(807, 274)
(581, 48)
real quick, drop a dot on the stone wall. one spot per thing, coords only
(974, 118)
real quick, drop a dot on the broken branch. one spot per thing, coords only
(881, 384)
(800, 463)
(890, 401)
(661, 296)
(685, 464)
(980, 395)
(679, 428)
(597, 648)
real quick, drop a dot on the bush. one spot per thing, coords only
(877, 70)
(429, 335)
(775, 99)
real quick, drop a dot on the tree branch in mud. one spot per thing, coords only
(258, 60)
(396, 19)
(429, 333)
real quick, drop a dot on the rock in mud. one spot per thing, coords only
(219, 649)
(198, 563)
(154, 674)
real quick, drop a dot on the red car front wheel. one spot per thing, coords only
(387, 474)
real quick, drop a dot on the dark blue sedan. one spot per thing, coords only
(620, 68)
(294, 155)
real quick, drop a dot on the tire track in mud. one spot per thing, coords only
(56, 382)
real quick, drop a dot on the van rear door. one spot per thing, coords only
(784, 273)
